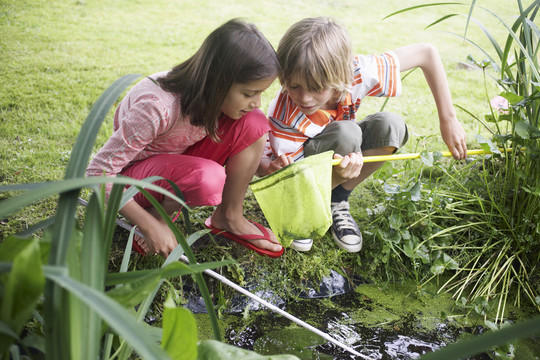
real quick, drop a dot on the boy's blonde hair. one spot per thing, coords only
(319, 50)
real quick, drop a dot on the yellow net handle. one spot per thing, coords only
(376, 158)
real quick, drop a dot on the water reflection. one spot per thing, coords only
(333, 308)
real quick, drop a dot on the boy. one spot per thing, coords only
(323, 85)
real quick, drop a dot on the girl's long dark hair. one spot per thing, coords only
(235, 52)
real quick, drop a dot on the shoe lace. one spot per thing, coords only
(342, 218)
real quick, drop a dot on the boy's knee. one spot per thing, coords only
(343, 137)
(385, 129)
(387, 120)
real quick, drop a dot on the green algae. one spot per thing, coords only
(294, 341)
(387, 304)
(421, 315)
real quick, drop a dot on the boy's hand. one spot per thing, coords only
(453, 136)
(349, 168)
(426, 57)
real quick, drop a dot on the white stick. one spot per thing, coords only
(261, 301)
(278, 310)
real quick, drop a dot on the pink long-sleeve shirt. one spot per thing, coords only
(147, 122)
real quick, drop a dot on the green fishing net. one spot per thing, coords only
(296, 199)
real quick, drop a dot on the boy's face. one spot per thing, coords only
(310, 101)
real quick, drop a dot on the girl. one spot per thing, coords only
(185, 125)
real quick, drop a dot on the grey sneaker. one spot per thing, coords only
(302, 245)
(345, 230)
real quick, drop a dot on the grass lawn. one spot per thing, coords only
(58, 57)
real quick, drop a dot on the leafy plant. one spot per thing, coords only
(67, 268)
(491, 217)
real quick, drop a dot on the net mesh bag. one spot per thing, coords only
(296, 199)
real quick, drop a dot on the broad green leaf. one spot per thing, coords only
(35, 342)
(408, 249)
(179, 333)
(487, 145)
(490, 118)
(423, 253)
(134, 292)
(512, 97)
(449, 263)
(118, 318)
(23, 285)
(396, 221)
(415, 192)
(427, 158)
(437, 155)
(6, 330)
(391, 189)
(437, 268)
(443, 263)
(212, 350)
(523, 129)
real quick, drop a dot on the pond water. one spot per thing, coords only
(395, 322)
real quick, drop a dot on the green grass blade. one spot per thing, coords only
(130, 192)
(82, 149)
(78, 162)
(171, 270)
(486, 54)
(421, 6)
(109, 220)
(42, 190)
(513, 37)
(481, 343)
(94, 266)
(118, 318)
(441, 20)
(198, 277)
(491, 38)
(469, 17)
(57, 331)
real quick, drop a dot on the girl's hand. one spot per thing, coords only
(349, 168)
(159, 239)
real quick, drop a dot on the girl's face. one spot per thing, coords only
(310, 101)
(242, 98)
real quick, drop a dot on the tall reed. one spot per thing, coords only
(491, 214)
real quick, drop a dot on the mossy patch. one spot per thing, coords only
(391, 303)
